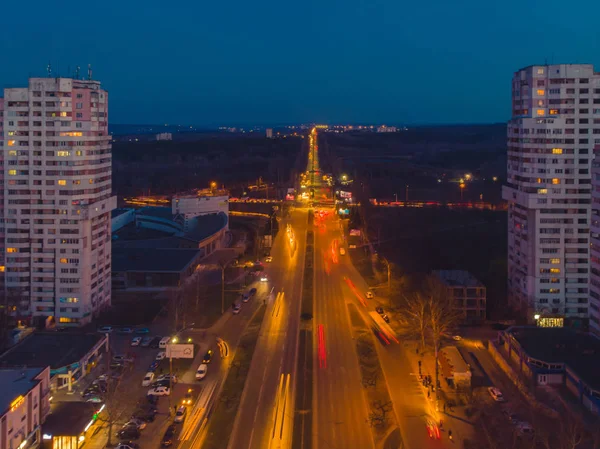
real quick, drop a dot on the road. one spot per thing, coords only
(341, 412)
(264, 418)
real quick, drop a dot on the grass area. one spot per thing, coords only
(381, 417)
(221, 422)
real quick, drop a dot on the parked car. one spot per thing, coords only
(145, 342)
(252, 291)
(137, 423)
(159, 391)
(129, 433)
(208, 356)
(496, 394)
(161, 355)
(161, 383)
(369, 295)
(169, 436)
(127, 445)
(145, 414)
(385, 318)
(457, 337)
(142, 330)
(116, 366)
(379, 310)
(153, 400)
(236, 307)
(125, 330)
(122, 358)
(155, 342)
(105, 329)
(153, 366)
(135, 341)
(95, 400)
(148, 378)
(180, 414)
(245, 297)
(201, 371)
(166, 377)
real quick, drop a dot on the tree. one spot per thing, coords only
(442, 320)
(417, 315)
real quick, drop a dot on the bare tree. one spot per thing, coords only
(416, 316)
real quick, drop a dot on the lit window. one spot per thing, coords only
(63, 114)
(76, 182)
(542, 191)
(12, 250)
(63, 153)
(541, 112)
(541, 92)
(554, 261)
(78, 153)
(539, 180)
(554, 290)
(91, 180)
(62, 182)
(555, 270)
(2, 268)
(540, 71)
(63, 260)
(553, 111)
(555, 181)
(557, 151)
(11, 133)
(12, 153)
(11, 143)
(12, 172)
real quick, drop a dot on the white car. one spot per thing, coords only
(496, 394)
(141, 425)
(161, 355)
(135, 341)
(148, 378)
(369, 295)
(263, 278)
(159, 391)
(180, 414)
(201, 371)
(457, 337)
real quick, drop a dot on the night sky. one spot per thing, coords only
(241, 62)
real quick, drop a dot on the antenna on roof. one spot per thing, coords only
(49, 69)
(89, 72)
(77, 72)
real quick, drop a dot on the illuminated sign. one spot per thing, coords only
(16, 403)
(345, 194)
(551, 322)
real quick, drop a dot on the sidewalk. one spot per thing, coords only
(452, 410)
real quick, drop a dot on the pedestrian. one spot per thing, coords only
(441, 424)
(417, 350)
(444, 407)
(428, 394)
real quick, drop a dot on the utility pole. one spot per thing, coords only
(406, 200)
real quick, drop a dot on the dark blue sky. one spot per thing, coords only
(267, 62)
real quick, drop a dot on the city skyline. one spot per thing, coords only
(262, 64)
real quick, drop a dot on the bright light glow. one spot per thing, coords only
(46, 437)
(88, 425)
(81, 438)
(174, 340)
(536, 316)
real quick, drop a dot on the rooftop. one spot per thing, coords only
(156, 211)
(204, 226)
(16, 382)
(69, 418)
(172, 242)
(579, 350)
(166, 260)
(120, 211)
(457, 278)
(53, 349)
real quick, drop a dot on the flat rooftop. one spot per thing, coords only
(120, 211)
(53, 349)
(579, 350)
(164, 260)
(457, 278)
(204, 226)
(16, 382)
(69, 418)
(156, 211)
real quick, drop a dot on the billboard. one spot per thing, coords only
(345, 194)
(355, 232)
(180, 351)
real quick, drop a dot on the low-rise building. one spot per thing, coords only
(24, 405)
(556, 356)
(465, 292)
(70, 424)
(454, 368)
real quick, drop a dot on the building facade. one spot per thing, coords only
(551, 135)
(25, 404)
(466, 294)
(204, 202)
(57, 200)
(595, 244)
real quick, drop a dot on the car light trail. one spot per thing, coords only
(355, 291)
(321, 348)
(277, 304)
(280, 408)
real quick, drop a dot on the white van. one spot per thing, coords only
(164, 342)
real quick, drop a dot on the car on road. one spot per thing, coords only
(457, 337)
(148, 378)
(127, 445)
(263, 278)
(245, 297)
(161, 355)
(135, 341)
(236, 308)
(252, 291)
(105, 329)
(129, 433)
(169, 436)
(201, 371)
(153, 366)
(116, 366)
(268, 259)
(379, 310)
(208, 356)
(126, 330)
(385, 318)
(142, 330)
(496, 394)
(180, 414)
(159, 391)
(369, 295)
(188, 399)
(145, 342)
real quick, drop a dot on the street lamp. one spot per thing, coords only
(213, 185)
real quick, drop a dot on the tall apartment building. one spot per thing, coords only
(595, 244)
(551, 135)
(57, 200)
